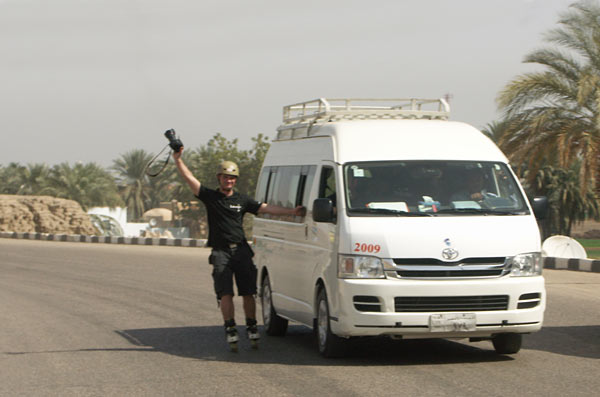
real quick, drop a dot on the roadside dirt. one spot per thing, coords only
(43, 214)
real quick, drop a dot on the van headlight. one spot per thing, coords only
(350, 266)
(524, 265)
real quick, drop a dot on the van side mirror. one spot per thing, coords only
(540, 207)
(323, 210)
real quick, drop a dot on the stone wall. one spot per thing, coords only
(43, 214)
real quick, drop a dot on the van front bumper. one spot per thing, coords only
(371, 307)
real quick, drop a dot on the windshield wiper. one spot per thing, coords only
(484, 211)
(389, 211)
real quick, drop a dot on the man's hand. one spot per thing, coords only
(300, 211)
(477, 196)
(177, 155)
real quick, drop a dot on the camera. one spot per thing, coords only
(174, 142)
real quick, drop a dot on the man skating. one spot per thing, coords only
(231, 256)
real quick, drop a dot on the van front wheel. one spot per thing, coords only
(507, 343)
(330, 345)
(274, 325)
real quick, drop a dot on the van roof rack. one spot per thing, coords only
(329, 109)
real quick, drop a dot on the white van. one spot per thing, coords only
(416, 227)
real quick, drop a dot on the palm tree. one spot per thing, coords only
(495, 130)
(33, 178)
(162, 187)
(133, 181)
(10, 178)
(568, 205)
(553, 116)
(88, 184)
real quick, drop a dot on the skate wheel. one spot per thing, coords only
(233, 346)
(254, 344)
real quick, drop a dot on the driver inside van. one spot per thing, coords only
(472, 187)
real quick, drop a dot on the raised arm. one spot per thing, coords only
(185, 172)
(277, 210)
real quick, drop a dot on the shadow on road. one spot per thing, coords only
(579, 341)
(298, 348)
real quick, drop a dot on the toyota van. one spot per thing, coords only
(416, 227)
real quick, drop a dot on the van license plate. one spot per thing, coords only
(452, 322)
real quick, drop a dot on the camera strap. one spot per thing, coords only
(147, 169)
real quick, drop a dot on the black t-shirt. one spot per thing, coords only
(225, 215)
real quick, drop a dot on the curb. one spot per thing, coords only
(80, 238)
(583, 265)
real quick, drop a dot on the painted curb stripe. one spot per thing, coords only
(79, 238)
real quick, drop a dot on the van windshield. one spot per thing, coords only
(431, 188)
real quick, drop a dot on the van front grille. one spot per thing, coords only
(448, 273)
(422, 268)
(418, 304)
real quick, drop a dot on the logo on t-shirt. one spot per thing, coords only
(235, 207)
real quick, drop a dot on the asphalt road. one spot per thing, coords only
(97, 320)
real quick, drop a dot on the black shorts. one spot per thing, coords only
(233, 262)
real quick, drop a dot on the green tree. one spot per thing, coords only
(254, 161)
(33, 178)
(495, 130)
(553, 116)
(134, 186)
(18, 179)
(162, 187)
(569, 203)
(88, 184)
(10, 178)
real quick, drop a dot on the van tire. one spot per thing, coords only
(329, 345)
(274, 325)
(507, 343)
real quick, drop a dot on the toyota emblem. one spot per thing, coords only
(449, 254)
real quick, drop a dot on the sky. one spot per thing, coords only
(89, 80)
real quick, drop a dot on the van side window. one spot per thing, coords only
(273, 185)
(287, 188)
(263, 185)
(327, 185)
(306, 181)
(282, 185)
